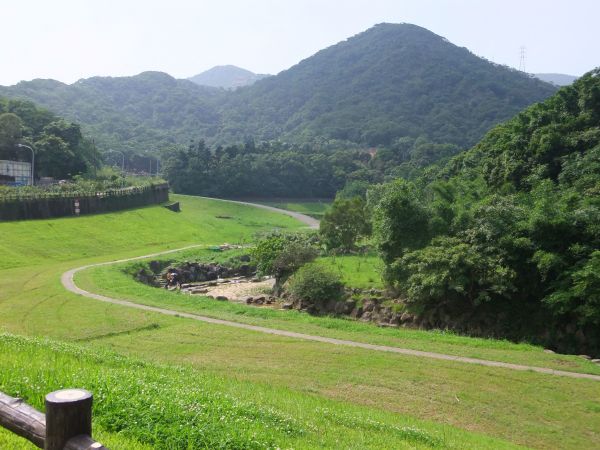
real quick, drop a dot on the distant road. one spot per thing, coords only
(69, 284)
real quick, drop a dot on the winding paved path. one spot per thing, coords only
(69, 284)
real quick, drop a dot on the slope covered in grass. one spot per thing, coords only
(301, 379)
(138, 404)
(41, 241)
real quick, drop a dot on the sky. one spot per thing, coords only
(72, 39)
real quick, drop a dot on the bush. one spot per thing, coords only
(344, 223)
(317, 284)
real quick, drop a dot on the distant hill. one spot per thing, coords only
(559, 79)
(145, 112)
(388, 82)
(227, 77)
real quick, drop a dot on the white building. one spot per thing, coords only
(15, 172)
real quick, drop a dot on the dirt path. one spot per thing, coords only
(69, 284)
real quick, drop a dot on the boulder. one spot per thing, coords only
(357, 312)
(221, 298)
(287, 305)
(154, 266)
(406, 317)
(369, 305)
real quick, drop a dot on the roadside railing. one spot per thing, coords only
(66, 425)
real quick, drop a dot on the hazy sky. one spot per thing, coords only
(71, 39)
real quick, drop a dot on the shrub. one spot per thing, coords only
(317, 284)
(281, 255)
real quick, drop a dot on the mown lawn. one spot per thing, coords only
(116, 281)
(313, 208)
(144, 405)
(304, 380)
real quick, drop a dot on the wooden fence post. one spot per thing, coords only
(68, 414)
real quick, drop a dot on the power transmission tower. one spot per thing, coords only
(522, 60)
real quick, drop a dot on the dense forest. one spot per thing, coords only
(276, 169)
(60, 149)
(389, 82)
(505, 238)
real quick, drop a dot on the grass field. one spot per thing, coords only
(313, 208)
(140, 404)
(116, 281)
(327, 390)
(357, 271)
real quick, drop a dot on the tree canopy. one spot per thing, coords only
(61, 150)
(505, 237)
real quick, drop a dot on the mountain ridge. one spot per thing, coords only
(388, 82)
(227, 77)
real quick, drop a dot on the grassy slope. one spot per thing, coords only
(494, 401)
(144, 402)
(114, 281)
(315, 208)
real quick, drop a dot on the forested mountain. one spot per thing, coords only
(388, 82)
(227, 77)
(144, 112)
(559, 79)
(505, 240)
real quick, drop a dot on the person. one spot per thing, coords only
(173, 279)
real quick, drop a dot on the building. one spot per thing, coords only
(15, 173)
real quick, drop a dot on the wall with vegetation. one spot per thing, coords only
(63, 204)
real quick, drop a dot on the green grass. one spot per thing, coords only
(295, 378)
(314, 208)
(116, 281)
(35, 242)
(363, 271)
(139, 403)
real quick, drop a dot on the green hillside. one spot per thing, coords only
(147, 112)
(504, 240)
(388, 82)
(237, 388)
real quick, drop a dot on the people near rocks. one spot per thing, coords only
(173, 279)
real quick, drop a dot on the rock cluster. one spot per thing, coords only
(191, 272)
(260, 300)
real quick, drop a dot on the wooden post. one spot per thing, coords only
(68, 414)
